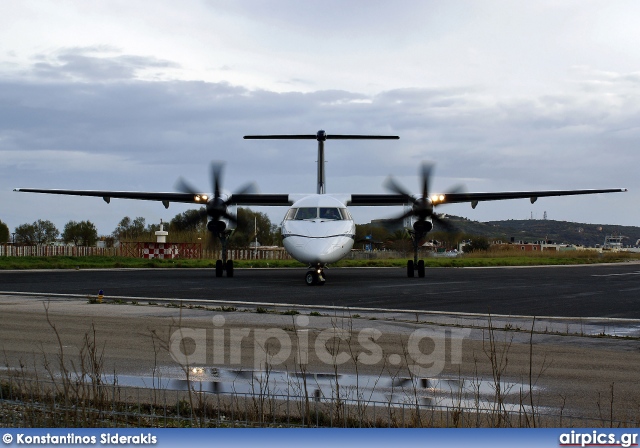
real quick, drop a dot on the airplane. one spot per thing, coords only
(318, 229)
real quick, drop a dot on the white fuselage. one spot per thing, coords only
(318, 229)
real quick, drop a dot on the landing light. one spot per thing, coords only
(437, 198)
(204, 197)
(197, 198)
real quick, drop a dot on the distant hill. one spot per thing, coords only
(546, 229)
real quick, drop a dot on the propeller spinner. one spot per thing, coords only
(216, 208)
(422, 207)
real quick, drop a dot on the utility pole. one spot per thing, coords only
(255, 227)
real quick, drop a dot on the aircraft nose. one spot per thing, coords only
(329, 250)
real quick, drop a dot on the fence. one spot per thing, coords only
(144, 250)
(161, 250)
(37, 403)
(8, 250)
(249, 254)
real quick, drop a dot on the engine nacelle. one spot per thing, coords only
(216, 226)
(423, 226)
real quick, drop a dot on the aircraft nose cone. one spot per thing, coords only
(318, 250)
(324, 248)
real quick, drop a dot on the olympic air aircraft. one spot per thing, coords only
(318, 229)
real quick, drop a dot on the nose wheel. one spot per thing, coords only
(315, 277)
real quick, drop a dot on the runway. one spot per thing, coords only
(611, 290)
(580, 358)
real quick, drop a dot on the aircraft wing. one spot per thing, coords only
(260, 199)
(107, 195)
(166, 198)
(285, 199)
(473, 198)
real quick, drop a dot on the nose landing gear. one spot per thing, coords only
(315, 276)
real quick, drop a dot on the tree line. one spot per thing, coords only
(191, 226)
(83, 233)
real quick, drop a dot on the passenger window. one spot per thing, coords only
(330, 213)
(307, 213)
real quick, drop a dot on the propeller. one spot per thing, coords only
(216, 206)
(423, 207)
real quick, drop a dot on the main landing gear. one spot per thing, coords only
(315, 276)
(413, 266)
(224, 265)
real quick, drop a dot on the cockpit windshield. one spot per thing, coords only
(306, 213)
(330, 213)
(322, 213)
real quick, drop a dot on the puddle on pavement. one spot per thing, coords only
(394, 391)
(614, 330)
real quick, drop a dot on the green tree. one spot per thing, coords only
(26, 234)
(45, 232)
(128, 229)
(477, 244)
(252, 225)
(152, 228)
(189, 221)
(82, 233)
(4, 232)
(195, 221)
(120, 231)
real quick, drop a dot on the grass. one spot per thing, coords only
(481, 259)
(98, 262)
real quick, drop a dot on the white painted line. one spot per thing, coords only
(616, 275)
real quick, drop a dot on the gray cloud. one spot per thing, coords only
(84, 119)
(96, 63)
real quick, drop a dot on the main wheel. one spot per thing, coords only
(229, 268)
(219, 268)
(420, 268)
(410, 268)
(311, 278)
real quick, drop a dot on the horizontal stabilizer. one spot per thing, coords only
(321, 136)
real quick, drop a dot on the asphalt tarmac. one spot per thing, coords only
(610, 290)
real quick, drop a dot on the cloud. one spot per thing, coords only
(65, 163)
(85, 118)
(97, 64)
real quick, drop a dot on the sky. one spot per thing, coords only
(500, 95)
